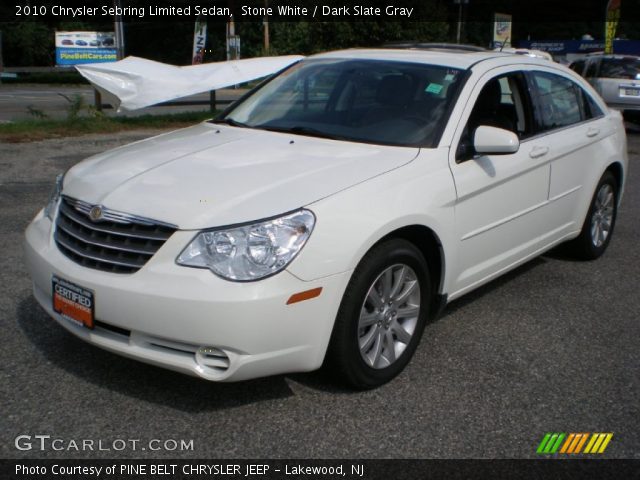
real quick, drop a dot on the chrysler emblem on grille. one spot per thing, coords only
(95, 213)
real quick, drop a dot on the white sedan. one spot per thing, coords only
(328, 215)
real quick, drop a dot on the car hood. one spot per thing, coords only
(212, 175)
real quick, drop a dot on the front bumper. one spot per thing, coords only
(189, 320)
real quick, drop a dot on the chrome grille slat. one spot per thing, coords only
(85, 222)
(117, 217)
(82, 237)
(97, 258)
(110, 243)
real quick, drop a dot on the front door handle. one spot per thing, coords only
(592, 132)
(538, 152)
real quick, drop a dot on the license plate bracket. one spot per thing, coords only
(73, 302)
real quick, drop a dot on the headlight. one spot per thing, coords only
(54, 196)
(250, 252)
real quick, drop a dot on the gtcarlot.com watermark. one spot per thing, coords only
(42, 443)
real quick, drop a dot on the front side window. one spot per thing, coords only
(502, 103)
(371, 101)
(559, 101)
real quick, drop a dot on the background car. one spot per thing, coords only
(615, 77)
(526, 51)
(81, 43)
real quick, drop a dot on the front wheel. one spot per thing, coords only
(382, 315)
(601, 218)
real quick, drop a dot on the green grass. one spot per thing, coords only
(40, 129)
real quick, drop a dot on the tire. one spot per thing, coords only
(385, 305)
(598, 226)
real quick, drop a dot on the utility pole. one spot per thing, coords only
(266, 29)
(1, 62)
(460, 3)
(119, 29)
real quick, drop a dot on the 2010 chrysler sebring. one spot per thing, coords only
(329, 214)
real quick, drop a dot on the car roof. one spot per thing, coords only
(612, 55)
(447, 58)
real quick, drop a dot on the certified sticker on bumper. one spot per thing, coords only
(73, 302)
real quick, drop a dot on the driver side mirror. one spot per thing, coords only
(495, 141)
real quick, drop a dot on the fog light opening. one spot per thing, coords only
(213, 358)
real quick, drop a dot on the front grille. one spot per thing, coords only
(117, 242)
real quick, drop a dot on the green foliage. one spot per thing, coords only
(36, 112)
(71, 77)
(28, 44)
(313, 37)
(42, 128)
(76, 105)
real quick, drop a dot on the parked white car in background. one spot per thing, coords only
(329, 214)
(615, 77)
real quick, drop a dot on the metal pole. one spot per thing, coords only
(266, 30)
(458, 34)
(97, 100)
(1, 62)
(119, 30)
(212, 101)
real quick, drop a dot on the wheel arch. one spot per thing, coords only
(618, 172)
(429, 244)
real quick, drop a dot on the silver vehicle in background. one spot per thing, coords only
(615, 77)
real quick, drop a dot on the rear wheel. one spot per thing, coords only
(382, 315)
(598, 226)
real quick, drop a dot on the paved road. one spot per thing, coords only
(17, 101)
(553, 346)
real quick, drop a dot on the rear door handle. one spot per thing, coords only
(538, 152)
(592, 132)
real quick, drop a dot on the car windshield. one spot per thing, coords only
(371, 101)
(620, 68)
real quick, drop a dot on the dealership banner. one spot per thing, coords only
(75, 48)
(501, 30)
(563, 47)
(613, 16)
(199, 41)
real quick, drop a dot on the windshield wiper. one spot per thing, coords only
(308, 131)
(231, 122)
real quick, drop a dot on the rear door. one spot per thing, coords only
(571, 125)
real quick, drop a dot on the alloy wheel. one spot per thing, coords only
(389, 316)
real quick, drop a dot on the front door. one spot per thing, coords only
(500, 198)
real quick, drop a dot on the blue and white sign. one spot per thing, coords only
(74, 48)
(564, 47)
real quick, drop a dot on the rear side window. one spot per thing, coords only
(591, 108)
(624, 67)
(578, 66)
(592, 69)
(559, 101)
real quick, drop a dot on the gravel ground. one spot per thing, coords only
(550, 347)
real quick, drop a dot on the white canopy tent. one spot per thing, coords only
(135, 83)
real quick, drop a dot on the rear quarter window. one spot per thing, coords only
(625, 67)
(561, 102)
